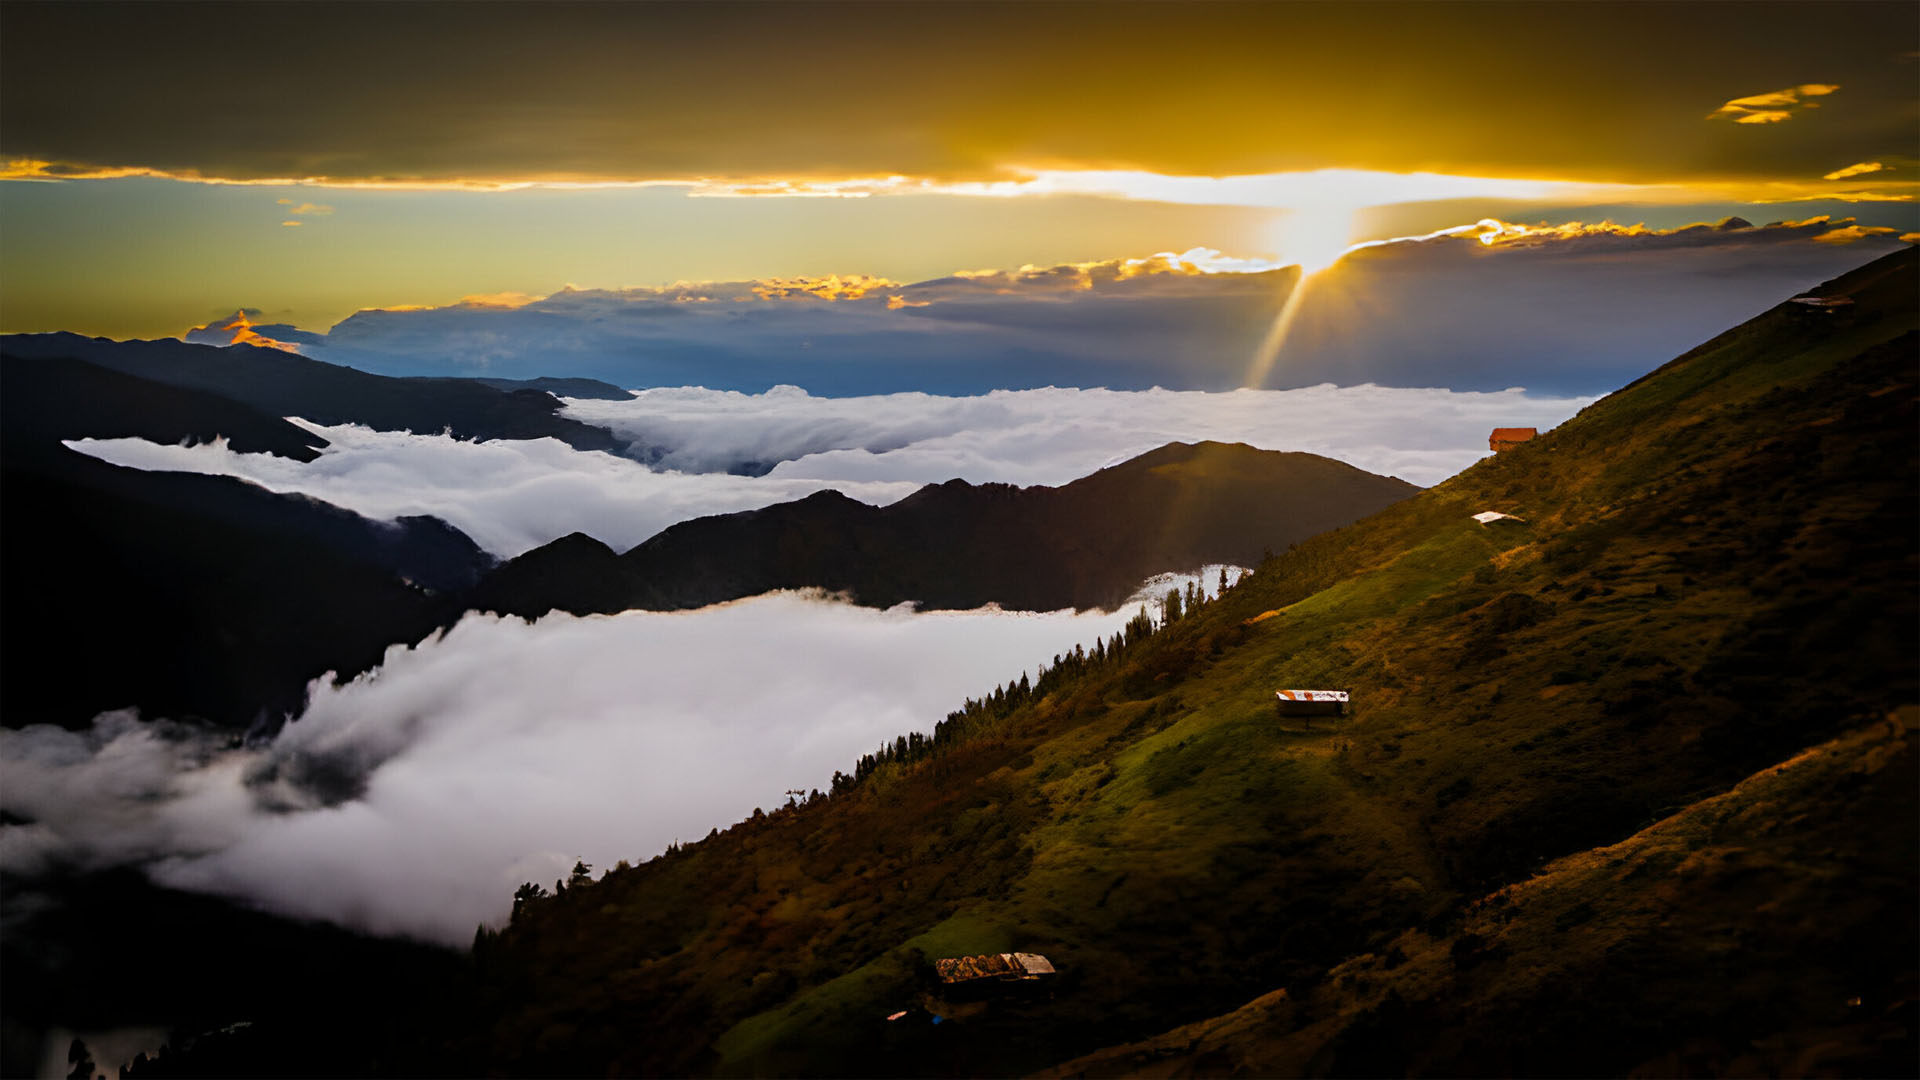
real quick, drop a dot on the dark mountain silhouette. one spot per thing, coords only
(283, 384)
(1628, 789)
(958, 545)
(182, 594)
(44, 401)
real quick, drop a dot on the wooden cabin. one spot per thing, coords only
(1506, 438)
(994, 967)
(1312, 703)
(965, 985)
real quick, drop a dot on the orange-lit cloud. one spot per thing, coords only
(1855, 170)
(1318, 188)
(1773, 106)
(36, 169)
(498, 300)
(1845, 231)
(1315, 187)
(1604, 235)
(292, 224)
(237, 330)
(831, 287)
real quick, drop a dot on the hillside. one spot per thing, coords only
(1085, 544)
(1551, 973)
(1619, 794)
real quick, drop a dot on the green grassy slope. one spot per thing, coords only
(1794, 923)
(1716, 570)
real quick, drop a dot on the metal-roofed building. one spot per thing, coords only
(1312, 702)
(993, 967)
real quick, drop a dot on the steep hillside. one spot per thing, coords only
(959, 545)
(1714, 571)
(1759, 932)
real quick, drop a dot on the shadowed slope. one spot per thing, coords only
(181, 594)
(45, 401)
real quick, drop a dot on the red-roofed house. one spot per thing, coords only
(1506, 438)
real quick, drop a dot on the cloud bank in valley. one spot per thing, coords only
(510, 496)
(414, 799)
(1563, 309)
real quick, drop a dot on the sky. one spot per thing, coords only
(309, 161)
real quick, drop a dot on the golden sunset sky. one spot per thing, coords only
(168, 161)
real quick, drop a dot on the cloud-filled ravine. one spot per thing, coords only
(414, 799)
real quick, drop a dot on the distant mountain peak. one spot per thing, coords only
(957, 544)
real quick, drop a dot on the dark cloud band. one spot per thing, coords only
(648, 91)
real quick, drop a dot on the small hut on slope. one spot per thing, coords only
(1506, 438)
(1312, 702)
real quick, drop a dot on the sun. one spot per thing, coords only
(1315, 236)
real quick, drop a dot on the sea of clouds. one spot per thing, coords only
(413, 800)
(510, 496)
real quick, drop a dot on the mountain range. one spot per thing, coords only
(210, 597)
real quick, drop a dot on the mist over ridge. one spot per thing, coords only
(712, 452)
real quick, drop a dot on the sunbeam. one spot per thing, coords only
(1314, 237)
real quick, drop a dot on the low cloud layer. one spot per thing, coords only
(1562, 309)
(513, 495)
(507, 495)
(413, 800)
